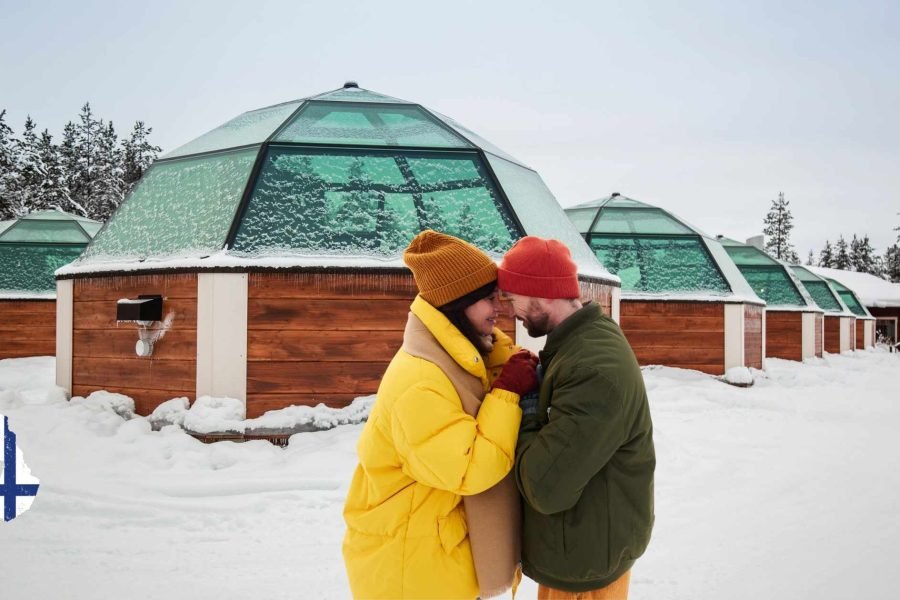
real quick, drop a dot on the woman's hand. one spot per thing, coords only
(519, 374)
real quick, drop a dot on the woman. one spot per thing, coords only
(443, 427)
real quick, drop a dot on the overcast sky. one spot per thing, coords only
(708, 109)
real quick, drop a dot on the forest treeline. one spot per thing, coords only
(87, 173)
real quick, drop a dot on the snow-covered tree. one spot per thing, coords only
(811, 259)
(10, 205)
(109, 186)
(69, 161)
(88, 133)
(137, 154)
(841, 255)
(778, 226)
(826, 256)
(862, 255)
(892, 264)
(31, 169)
(53, 192)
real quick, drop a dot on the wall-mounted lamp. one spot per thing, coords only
(146, 311)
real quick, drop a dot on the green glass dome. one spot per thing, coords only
(822, 292)
(348, 173)
(34, 246)
(656, 253)
(771, 279)
(850, 299)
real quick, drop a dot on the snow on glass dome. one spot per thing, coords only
(349, 173)
(850, 299)
(653, 251)
(36, 245)
(821, 291)
(772, 280)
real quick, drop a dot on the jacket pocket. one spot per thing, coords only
(452, 530)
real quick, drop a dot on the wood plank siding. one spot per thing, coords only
(861, 334)
(103, 356)
(784, 335)
(27, 328)
(753, 335)
(832, 334)
(689, 335)
(600, 293)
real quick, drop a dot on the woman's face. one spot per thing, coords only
(483, 314)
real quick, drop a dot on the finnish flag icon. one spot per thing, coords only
(18, 487)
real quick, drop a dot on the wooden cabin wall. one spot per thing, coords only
(689, 335)
(600, 293)
(753, 335)
(27, 328)
(103, 355)
(322, 337)
(833, 334)
(784, 335)
(861, 334)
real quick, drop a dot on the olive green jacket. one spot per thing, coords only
(585, 461)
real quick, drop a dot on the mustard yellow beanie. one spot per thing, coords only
(446, 268)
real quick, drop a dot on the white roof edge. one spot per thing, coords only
(870, 289)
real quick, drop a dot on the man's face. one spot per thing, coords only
(530, 311)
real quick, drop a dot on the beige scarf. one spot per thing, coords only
(494, 516)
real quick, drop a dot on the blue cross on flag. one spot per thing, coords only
(17, 497)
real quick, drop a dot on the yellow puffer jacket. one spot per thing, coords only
(419, 453)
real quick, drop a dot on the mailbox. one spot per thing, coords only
(145, 308)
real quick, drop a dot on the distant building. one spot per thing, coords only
(684, 302)
(794, 322)
(31, 249)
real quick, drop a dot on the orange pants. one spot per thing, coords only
(617, 590)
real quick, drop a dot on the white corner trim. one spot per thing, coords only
(847, 330)
(616, 304)
(65, 296)
(808, 333)
(222, 335)
(734, 336)
(869, 334)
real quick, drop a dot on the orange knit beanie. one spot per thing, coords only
(446, 268)
(541, 268)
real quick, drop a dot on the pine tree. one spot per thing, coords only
(892, 264)
(31, 170)
(862, 255)
(109, 185)
(137, 154)
(69, 165)
(88, 133)
(826, 256)
(778, 226)
(52, 188)
(810, 260)
(10, 205)
(841, 255)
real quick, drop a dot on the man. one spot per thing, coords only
(585, 457)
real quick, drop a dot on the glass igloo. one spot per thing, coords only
(771, 279)
(347, 173)
(840, 322)
(684, 303)
(654, 252)
(35, 245)
(275, 245)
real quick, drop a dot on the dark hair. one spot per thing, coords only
(455, 311)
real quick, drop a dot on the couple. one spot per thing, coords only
(475, 458)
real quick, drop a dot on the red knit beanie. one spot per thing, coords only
(539, 268)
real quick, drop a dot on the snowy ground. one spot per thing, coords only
(784, 490)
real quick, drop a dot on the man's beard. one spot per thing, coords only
(537, 324)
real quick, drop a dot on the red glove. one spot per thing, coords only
(519, 374)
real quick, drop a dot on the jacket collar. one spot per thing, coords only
(556, 338)
(451, 340)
